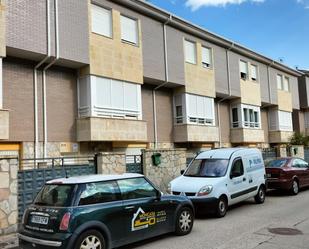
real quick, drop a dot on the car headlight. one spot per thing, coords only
(169, 188)
(206, 190)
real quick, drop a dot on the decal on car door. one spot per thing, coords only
(143, 220)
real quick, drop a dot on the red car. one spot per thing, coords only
(288, 174)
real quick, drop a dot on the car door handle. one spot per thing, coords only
(129, 207)
(244, 179)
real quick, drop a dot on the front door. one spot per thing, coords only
(145, 213)
(238, 183)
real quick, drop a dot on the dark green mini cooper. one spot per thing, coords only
(102, 211)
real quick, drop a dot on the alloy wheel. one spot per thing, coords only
(91, 242)
(295, 187)
(185, 221)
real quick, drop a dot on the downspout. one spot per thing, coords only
(35, 79)
(229, 91)
(44, 79)
(161, 85)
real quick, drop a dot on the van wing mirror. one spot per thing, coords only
(182, 171)
(159, 195)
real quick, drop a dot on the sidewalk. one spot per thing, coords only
(8, 242)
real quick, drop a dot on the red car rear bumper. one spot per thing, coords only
(285, 184)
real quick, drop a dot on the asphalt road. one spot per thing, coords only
(247, 226)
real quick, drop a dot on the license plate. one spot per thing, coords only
(39, 220)
(268, 175)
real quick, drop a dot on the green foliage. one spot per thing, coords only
(299, 139)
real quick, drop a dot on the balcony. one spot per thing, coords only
(4, 124)
(195, 133)
(108, 129)
(247, 135)
(277, 137)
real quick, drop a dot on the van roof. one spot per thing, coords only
(92, 178)
(223, 153)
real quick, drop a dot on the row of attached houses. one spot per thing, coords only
(78, 77)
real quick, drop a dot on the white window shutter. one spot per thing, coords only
(253, 72)
(117, 95)
(130, 97)
(101, 20)
(279, 82)
(206, 55)
(190, 52)
(103, 92)
(129, 29)
(243, 67)
(286, 84)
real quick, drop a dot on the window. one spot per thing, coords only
(298, 163)
(279, 82)
(178, 109)
(234, 117)
(243, 70)
(206, 57)
(207, 168)
(98, 192)
(104, 97)
(286, 84)
(245, 116)
(285, 121)
(101, 20)
(129, 30)
(237, 168)
(190, 52)
(136, 188)
(254, 73)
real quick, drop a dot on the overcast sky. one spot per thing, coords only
(278, 29)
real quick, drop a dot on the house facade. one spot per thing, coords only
(79, 78)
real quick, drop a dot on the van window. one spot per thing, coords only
(135, 188)
(207, 168)
(237, 168)
(98, 192)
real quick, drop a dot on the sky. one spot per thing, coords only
(278, 29)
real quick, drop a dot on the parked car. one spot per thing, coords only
(102, 211)
(287, 173)
(218, 178)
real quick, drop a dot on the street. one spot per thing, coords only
(246, 226)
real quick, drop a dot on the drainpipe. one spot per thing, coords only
(229, 93)
(35, 83)
(163, 84)
(44, 78)
(268, 78)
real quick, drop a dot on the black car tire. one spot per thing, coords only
(221, 207)
(295, 187)
(94, 236)
(260, 196)
(184, 221)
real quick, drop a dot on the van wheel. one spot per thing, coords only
(260, 196)
(221, 207)
(90, 239)
(295, 187)
(184, 221)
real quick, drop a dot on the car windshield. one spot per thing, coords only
(207, 168)
(54, 195)
(278, 163)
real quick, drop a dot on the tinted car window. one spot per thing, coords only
(135, 188)
(237, 168)
(298, 163)
(207, 168)
(55, 195)
(98, 192)
(278, 163)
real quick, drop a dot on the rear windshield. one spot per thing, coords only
(207, 168)
(278, 163)
(54, 195)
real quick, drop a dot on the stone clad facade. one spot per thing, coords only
(8, 194)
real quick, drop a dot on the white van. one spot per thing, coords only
(219, 178)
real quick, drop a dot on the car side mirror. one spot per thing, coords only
(159, 194)
(182, 171)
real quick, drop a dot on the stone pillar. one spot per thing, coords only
(281, 151)
(172, 162)
(111, 163)
(297, 151)
(8, 194)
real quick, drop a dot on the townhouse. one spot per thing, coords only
(100, 75)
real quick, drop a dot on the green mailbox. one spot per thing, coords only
(156, 159)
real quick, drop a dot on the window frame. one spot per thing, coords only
(137, 30)
(233, 164)
(111, 36)
(249, 116)
(240, 70)
(195, 51)
(284, 78)
(280, 76)
(257, 73)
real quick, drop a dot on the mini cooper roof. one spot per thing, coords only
(92, 178)
(223, 153)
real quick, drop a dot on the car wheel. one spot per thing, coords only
(184, 221)
(90, 239)
(295, 187)
(221, 207)
(260, 196)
